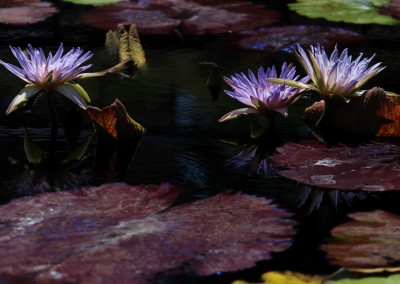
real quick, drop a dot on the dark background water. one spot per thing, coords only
(184, 143)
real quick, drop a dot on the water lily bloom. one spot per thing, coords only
(262, 96)
(337, 75)
(54, 73)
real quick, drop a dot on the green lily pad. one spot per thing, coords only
(391, 279)
(93, 2)
(350, 11)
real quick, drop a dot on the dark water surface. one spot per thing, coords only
(184, 143)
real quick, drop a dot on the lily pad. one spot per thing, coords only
(354, 11)
(25, 12)
(371, 167)
(369, 240)
(93, 2)
(76, 236)
(287, 37)
(391, 8)
(189, 17)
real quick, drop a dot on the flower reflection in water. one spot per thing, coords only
(250, 158)
(312, 198)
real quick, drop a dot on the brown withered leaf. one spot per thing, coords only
(117, 233)
(118, 137)
(189, 17)
(370, 240)
(371, 167)
(115, 120)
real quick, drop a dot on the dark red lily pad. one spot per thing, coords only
(118, 233)
(369, 240)
(287, 37)
(392, 9)
(190, 17)
(25, 12)
(372, 167)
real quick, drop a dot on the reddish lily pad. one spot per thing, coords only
(392, 9)
(373, 167)
(369, 240)
(287, 37)
(25, 12)
(118, 233)
(190, 17)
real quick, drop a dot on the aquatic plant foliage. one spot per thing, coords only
(370, 167)
(368, 242)
(286, 38)
(77, 236)
(93, 2)
(349, 11)
(190, 17)
(18, 13)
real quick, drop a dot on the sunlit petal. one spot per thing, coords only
(264, 95)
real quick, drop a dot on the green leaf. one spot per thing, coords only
(391, 279)
(77, 153)
(93, 2)
(75, 93)
(236, 113)
(349, 11)
(28, 92)
(33, 153)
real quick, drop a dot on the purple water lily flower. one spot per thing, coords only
(337, 75)
(47, 74)
(263, 96)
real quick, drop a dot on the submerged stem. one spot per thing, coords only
(54, 126)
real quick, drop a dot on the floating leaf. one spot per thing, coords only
(391, 279)
(189, 17)
(286, 277)
(369, 240)
(373, 113)
(287, 37)
(25, 12)
(371, 167)
(391, 8)
(93, 2)
(355, 11)
(77, 236)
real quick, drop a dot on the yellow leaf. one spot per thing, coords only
(286, 277)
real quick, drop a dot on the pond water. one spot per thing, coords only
(184, 143)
